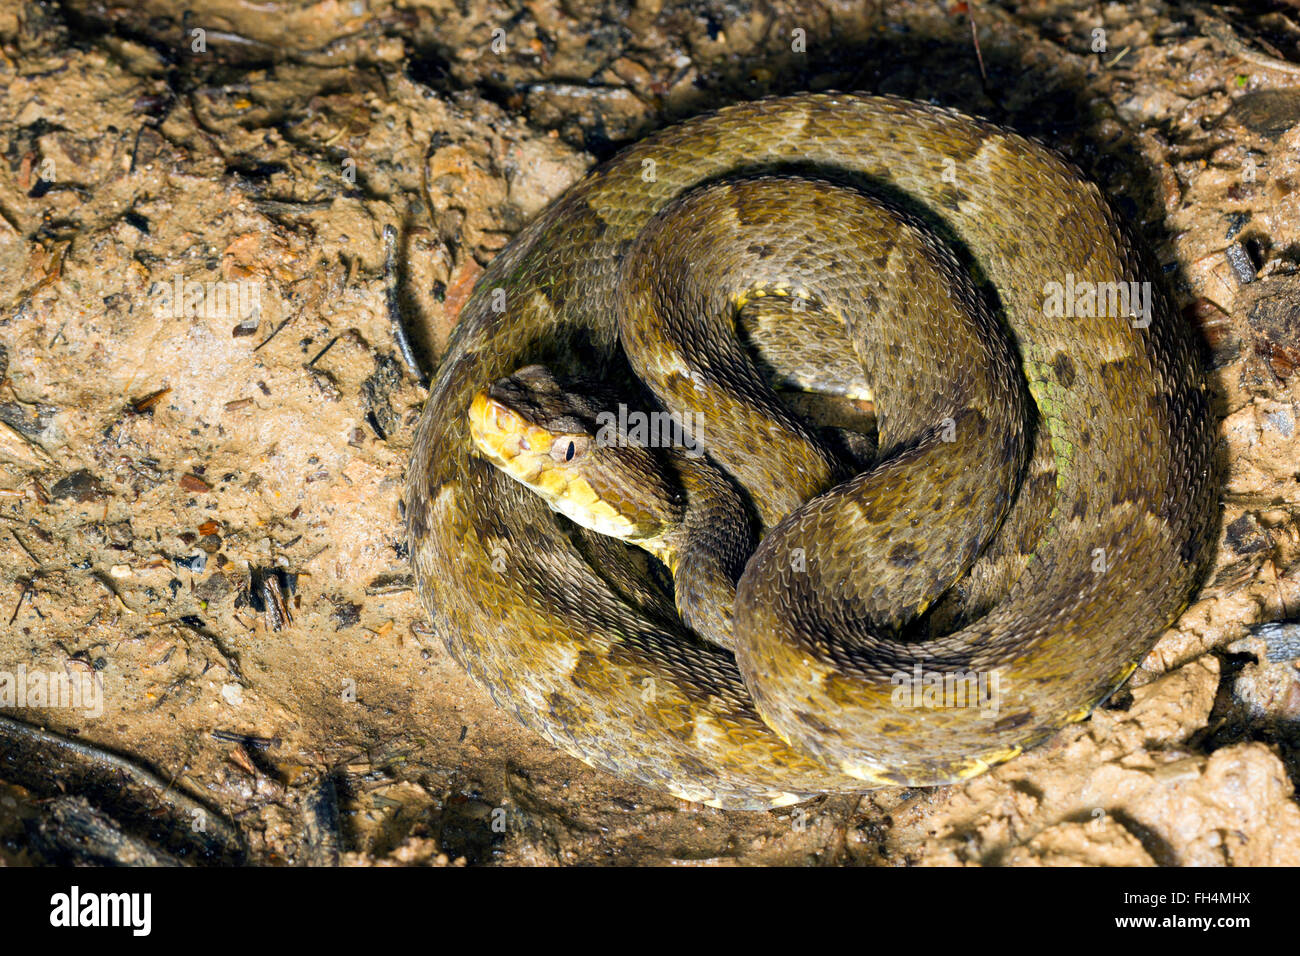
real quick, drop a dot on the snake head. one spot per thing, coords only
(552, 439)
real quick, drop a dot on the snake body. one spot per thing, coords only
(1058, 518)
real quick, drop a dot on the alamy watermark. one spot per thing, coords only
(74, 908)
(188, 298)
(639, 429)
(1076, 298)
(954, 690)
(53, 689)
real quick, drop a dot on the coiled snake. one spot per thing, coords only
(1057, 519)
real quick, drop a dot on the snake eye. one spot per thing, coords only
(567, 448)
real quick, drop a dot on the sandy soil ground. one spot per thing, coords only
(199, 501)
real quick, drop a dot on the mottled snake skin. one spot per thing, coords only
(571, 633)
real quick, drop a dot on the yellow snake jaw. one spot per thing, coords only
(523, 452)
(613, 491)
(1117, 506)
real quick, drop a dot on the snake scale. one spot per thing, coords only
(1058, 516)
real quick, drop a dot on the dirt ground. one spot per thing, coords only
(199, 506)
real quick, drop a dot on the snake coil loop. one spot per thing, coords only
(1064, 510)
